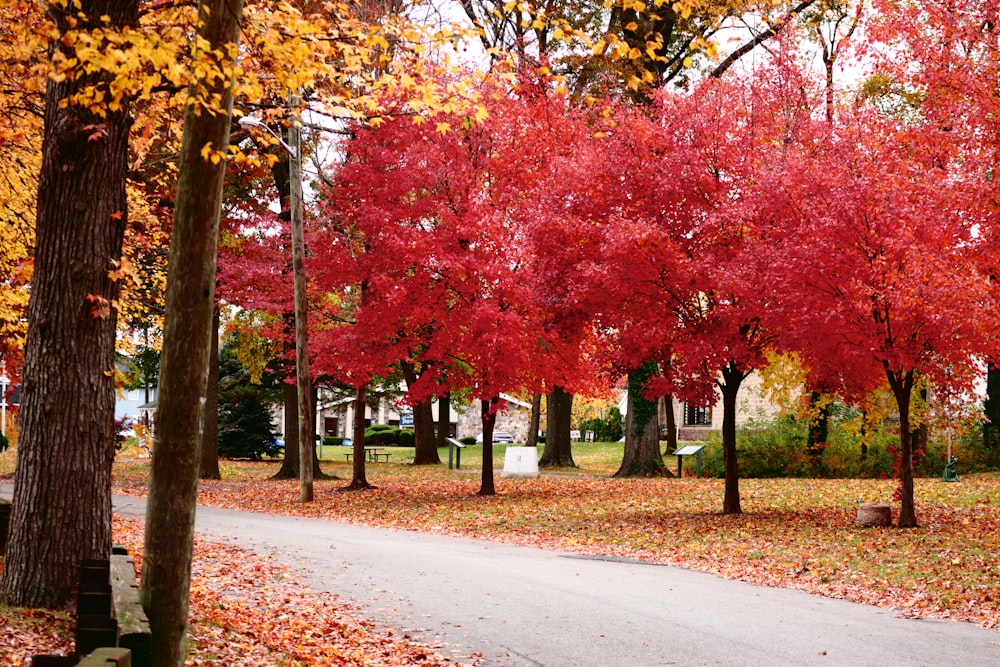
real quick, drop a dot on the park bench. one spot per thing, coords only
(111, 626)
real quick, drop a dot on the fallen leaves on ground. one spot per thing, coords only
(28, 632)
(794, 533)
(246, 611)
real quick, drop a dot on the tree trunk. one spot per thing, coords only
(290, 463)
(424, 438)
(558, 450)
(991, 409)
(359, 480)
(732, 378)
(424, 441)
(173, 484)
(535, 422)
(920, 434)
(62, 492)
(642, 456)
(444, 420)
(668, 403)
(489, 416)
(210, 432)
(902, 386)
(307, 424)
(819, 427)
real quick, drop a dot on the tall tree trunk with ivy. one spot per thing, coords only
(642, 457)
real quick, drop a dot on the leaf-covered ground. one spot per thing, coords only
(245, 611)
(794, 533)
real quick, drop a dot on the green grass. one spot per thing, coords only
(592, 458)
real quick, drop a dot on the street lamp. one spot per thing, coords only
(4, 380)
(294, 148)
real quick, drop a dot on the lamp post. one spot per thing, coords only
(294, 148)
(4, 380)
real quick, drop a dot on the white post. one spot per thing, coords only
(3, 403)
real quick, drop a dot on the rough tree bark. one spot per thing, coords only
(62, 491)
(209, 468)
(166, 567)
(558, 450)
(642, 456)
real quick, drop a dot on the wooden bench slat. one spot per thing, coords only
(133, 625)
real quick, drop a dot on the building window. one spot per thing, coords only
(696, 416)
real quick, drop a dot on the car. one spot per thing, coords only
(499, 437)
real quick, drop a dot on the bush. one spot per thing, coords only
(971, 450)
(614, 426)
(779, 449)
(3, 443)
(605, 430)
(333, 440)
(469, 440)
(382, 434)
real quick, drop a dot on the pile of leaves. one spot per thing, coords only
(795, 533)
(245, 610)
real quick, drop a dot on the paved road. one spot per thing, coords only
(524, 607)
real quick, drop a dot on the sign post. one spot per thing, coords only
(689, 450)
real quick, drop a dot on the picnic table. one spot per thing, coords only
(373, 454)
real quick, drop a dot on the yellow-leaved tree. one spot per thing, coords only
(110, 81)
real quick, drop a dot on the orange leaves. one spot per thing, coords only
(100, 308)
(247, 611)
